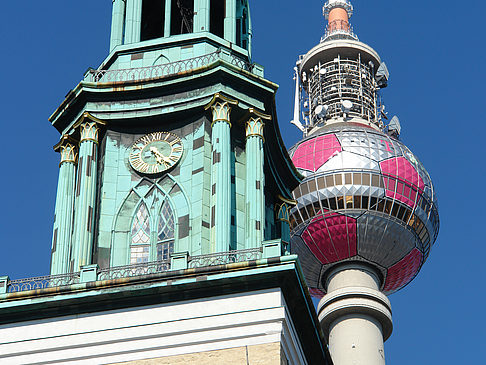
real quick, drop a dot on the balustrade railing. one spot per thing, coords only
(147, 268)
(42, 282)
(172, 68)
(224, 258)
(117, 272)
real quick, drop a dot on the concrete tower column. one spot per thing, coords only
(117, 18)
(355, 315)
(255, 179)
(221, 173)
(63, 218)
(85, 192)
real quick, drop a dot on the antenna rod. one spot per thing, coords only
(296, 121)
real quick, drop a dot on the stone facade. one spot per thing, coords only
(266, 354)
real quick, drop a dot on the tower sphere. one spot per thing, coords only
(365, 196)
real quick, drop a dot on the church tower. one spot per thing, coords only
(171, 232)
(171, 147)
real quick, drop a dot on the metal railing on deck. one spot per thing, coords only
(168, 69)
(117, 272)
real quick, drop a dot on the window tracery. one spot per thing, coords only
(152, 232)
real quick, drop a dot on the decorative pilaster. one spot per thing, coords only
(63, 219)
(118, 16)
(133, 21)
(85, 192)
(255, 179)
(230, 21)
(221, 173)
(201, 16)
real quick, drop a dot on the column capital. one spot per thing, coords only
(221, 107)
(255, 123)
(89, 127)
(67, 148)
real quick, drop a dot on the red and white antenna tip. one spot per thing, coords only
(341, 7)
(337, 13)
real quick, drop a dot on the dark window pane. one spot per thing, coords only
(340, 202)
(401, 212)
(317, 208)
(381, 205)
(365, 202)
(182, 17)
(304, 214)
(217, 17)
(373, 203)
(153, 19)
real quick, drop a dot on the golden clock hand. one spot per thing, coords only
(158, 156)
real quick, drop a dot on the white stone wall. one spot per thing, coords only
(150, 332)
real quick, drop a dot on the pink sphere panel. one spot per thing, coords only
(403, 271)
(331, 238)
(312, 154)
(409, 181)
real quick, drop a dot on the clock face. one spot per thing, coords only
(156, 152)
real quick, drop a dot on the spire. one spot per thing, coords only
(337, 13)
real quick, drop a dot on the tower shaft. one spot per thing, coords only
(355, 316)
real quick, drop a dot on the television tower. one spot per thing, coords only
(366, 213)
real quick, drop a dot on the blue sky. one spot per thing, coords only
(435, 54)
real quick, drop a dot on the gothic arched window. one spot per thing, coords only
(165, 232)
(140, 243)
(152, 233)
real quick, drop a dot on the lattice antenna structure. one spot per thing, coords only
(341, 77)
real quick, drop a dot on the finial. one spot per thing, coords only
(337, 13)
